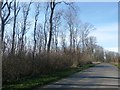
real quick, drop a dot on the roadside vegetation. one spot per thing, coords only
(42, 42)
(30, 83)
(116, 64)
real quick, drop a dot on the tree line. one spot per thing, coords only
(41, 37)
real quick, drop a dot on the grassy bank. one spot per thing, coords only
(45, 79)
(117, 64)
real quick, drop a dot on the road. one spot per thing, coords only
(103, 75)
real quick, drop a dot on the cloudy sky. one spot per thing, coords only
(104, 16)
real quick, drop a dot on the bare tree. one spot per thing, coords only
(39, 37)
(1, 45)
(85, 29)
(37, 6)
(18, 32)
(90, 46)
(1, 2)
(99, 53)
(70, 17)
(53, 4)
(52, 7)
(6, 10)
(25, 10)
(63, 41)
(45, 25)
(56, 27)
(16, 11)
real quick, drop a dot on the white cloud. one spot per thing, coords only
(107, 36)
(111, 27)
(115, 49)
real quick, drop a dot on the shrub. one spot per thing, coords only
(16, 67)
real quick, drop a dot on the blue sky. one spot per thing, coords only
(104, 16)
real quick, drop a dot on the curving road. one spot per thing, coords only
(103, 75)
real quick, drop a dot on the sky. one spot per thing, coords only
(72, 0)
(104, 17)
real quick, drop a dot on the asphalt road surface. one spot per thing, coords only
(103, 75)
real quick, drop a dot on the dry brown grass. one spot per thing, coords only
(16, 68)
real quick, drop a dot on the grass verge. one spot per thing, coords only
(45, 79)
(117, 64)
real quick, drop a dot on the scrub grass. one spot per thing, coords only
(30, 83)
(117, 64)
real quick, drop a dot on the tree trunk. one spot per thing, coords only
(35, 42)
(1, 45)
(14, 25)
(52, 4)
(45, 34)
(2, 30)
(25, 14)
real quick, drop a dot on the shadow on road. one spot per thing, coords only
(107, 77)
(85, 84)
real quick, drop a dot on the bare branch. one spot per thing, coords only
(8, 21)
(4, 5)
(8, 6)
(18, 11)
